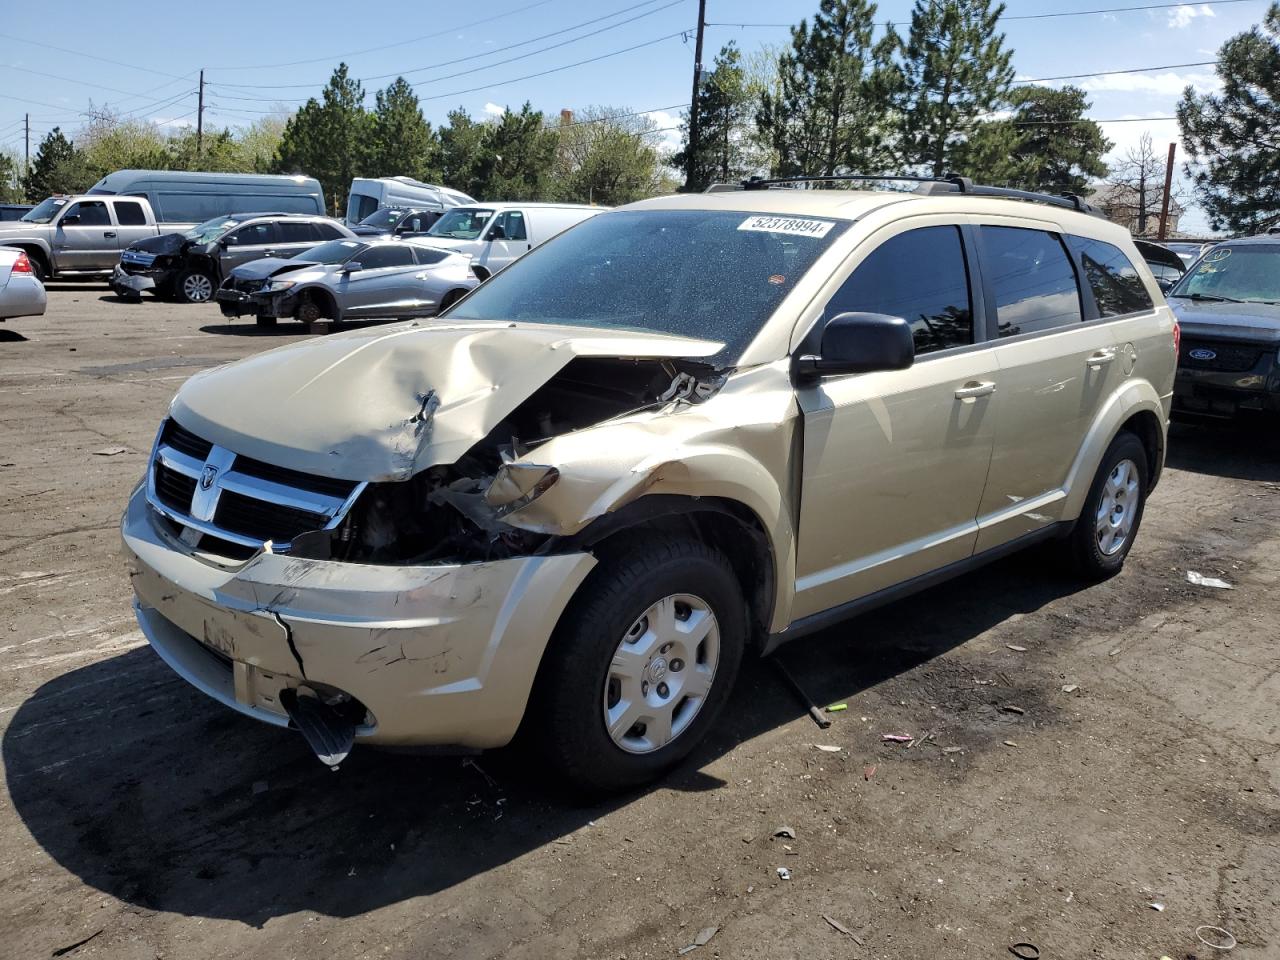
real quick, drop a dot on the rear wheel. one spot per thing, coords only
(1108, 524)
(194, 286)
(450, 298)
(641, 664)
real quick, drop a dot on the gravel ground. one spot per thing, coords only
(1140, 768)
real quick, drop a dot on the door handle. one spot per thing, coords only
(1101, 358)
(419, 276)
(109, 234)
(974, 389)
(269, 252)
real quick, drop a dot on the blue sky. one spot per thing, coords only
(258, 55)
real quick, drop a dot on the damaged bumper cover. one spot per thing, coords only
(441, 655)
(238, 303)
(124, 282)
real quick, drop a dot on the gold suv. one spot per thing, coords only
(682, 432)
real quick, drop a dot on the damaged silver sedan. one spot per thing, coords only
(575, 500)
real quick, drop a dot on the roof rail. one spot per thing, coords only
(930, 186)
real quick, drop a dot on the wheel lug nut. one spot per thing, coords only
(644, 688)
(677, 665)
(663, 690)
(666, 647)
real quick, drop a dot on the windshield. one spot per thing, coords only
(460, 224)
(713, 275)
(334, 251)
(1244, 274)
(383, 218)
(210, 230)
(46, 210)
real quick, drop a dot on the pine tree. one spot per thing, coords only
(955, 69)
(724, 119)
(402, 143)
(1236, 134)
(829, 113)
(516, 157)
(1046, 145)
(461, 146)
(327, 138)
(58, 167)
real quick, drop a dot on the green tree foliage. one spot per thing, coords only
(954, 70)
(57, 167)
(401, 141)
(221, 152)
(10, 188)
(609, 158)
(830, 112)
(518, 153)
(461, 146)
(260, 141)
(326, 138)
(1045, 145)
(109, 142)
(1235, 135)
(725, 114)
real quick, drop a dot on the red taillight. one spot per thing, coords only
(1177, 339)
(22, 264)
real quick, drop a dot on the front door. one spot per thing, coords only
(1055, 371)
(386, 285)
(895, 462)
(507, 239)
(253, 241)
(86, 237)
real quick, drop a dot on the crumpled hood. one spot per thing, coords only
(269, 267)
(387, 402)
(166, 243)
(1254, 322)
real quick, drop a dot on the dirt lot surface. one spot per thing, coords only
(1141, 766)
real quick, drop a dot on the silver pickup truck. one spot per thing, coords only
(82, 236)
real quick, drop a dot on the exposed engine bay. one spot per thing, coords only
(455, 512)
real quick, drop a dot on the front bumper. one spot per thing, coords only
(238, 303)
(440, 655)
(1202, 392)
(122, 281)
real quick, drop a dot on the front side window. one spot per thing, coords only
(921, 276)
(709, 274)
(1117, 287)
(512, 223)
(1032, 278)
(129, 214)
(460, 224)
(92, 213)
(1248, 273)
(253, 235)
(386, 255)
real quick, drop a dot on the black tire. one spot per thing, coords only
(1089, 560)
(39, 269)
(194, 286)
(568, 721)
(265, 321)
(450, 298)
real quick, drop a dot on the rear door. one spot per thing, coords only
(131, 222)
(1056, 366)
(295, 237)
(90, 241)
(248, 243)
(895, 461)
(386, 284)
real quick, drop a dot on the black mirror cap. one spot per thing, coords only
(860, 343)
(70, 220)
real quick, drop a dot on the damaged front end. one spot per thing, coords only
(150, 264)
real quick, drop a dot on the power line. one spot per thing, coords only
(91, 56)
(1031, 16)
(1112, 73)
(388, 46)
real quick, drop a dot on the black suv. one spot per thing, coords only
(190, 266)
(1228, 305)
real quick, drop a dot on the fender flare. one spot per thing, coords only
(1133, 397)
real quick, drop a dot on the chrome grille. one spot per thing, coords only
(137, 258)
(220, 500)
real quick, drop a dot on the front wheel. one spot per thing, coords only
(641, 664)
(1108, 524)
(194, 286)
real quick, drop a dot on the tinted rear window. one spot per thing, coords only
(129, 214)
(1032, 278)
(1117, 287)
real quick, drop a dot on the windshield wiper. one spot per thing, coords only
(1207, 296)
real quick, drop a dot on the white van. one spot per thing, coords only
(494, 234)
(369, 195)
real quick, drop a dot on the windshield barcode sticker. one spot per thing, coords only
(792, 225)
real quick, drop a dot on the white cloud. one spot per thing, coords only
(491, 109)
(174, 123)
(1180, 17)
(670, 138)
(1169, 84)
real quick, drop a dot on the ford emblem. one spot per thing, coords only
(1202, 354)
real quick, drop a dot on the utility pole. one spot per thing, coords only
(26, 157)
(200, 118)
(691, 152)
(1168, 187)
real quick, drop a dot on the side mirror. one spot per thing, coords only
(223, 244)
(860, 343)
(1164, 284)
(497, 233)
(70, 220)
(352, 266)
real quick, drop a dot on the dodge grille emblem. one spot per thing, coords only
(209, 475)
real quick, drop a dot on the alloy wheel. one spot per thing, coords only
(197, 288)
